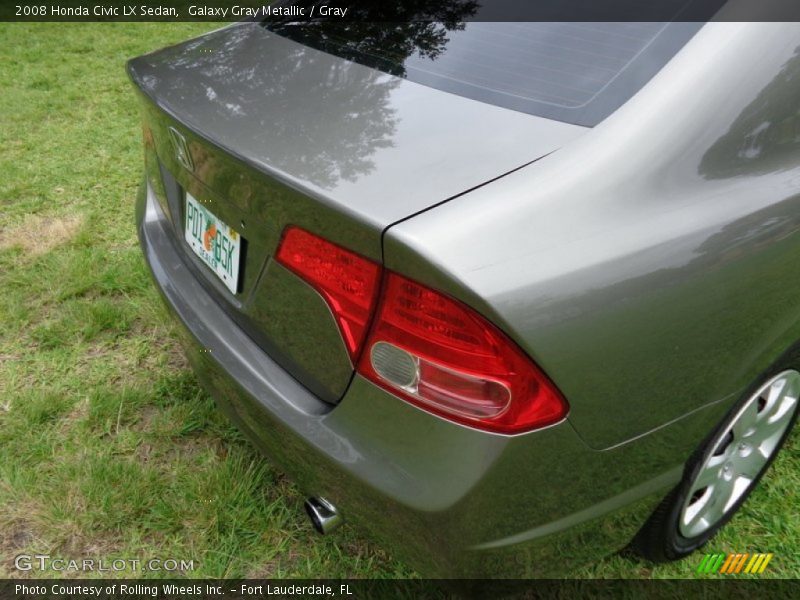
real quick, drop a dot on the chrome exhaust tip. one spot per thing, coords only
(324, 516)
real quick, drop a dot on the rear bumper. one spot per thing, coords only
(451, 501)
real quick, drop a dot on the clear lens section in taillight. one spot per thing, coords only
(454, 391)
(441, 355)
(346, 280)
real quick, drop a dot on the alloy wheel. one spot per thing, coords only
(739, 454)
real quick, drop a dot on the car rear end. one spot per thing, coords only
(430, 489)
(273, 172)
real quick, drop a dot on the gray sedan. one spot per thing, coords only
(505, 295)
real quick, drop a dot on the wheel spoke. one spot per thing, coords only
(708, 476)
(768, 434)
(694, 515)
(713, 512)
(750, 466)
(738, 488)
(784, 409)
(721, 495)
(793, 389)
(745, 425)
(697, 523)
(781, 404)
(776, 390)
(772, 427)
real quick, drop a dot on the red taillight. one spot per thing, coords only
(442, 356)
(346, 280)
(423, 346)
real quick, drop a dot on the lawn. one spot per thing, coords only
(108, 447)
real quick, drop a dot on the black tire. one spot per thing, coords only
(660, 539)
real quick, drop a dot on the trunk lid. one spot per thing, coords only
(279, 133)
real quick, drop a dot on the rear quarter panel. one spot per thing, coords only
(649, 267)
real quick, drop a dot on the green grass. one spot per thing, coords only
(108, 447)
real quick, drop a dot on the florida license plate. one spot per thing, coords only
(213, 241)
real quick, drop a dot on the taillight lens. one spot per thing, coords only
(347, 281)
(423, 346)
(441, 355)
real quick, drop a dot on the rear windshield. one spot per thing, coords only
(574, 72)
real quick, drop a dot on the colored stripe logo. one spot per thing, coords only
(735, 563)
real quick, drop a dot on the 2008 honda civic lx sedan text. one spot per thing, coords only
(492, 292)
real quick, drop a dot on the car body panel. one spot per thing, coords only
(427, 486)
(280, 134)
(343, 133)
(647, 266)
(654, 260)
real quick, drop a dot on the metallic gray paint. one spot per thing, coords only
(283, 134)
(351, 137)
(642, 264)
(274, 307)
(451, 500)
(649, 267)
